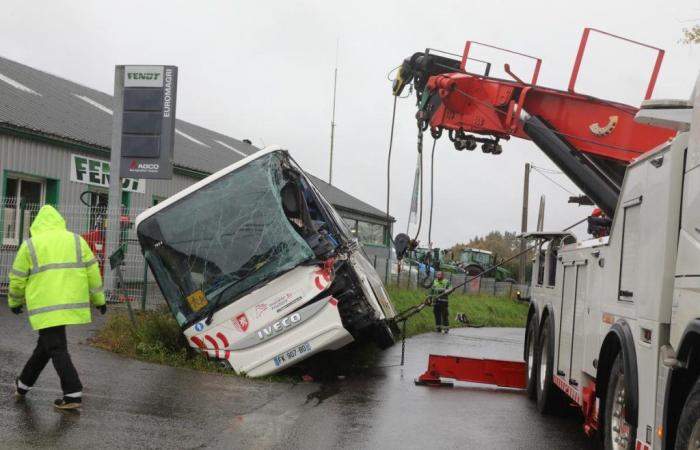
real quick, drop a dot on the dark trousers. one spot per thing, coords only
(52, 345)
(442, 320)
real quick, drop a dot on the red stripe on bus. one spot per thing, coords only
(223, 339)
(213, 342)
(197, 341)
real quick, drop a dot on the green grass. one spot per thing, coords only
(481, 310)
(157, 337)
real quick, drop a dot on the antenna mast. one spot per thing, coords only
(335, 85)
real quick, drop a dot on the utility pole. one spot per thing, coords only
(335, 85)
(523, 222)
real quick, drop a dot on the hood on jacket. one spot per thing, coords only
(48, 219)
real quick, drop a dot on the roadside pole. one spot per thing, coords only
(523, 222)
(114, 201)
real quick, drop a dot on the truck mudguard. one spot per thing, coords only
(619, 338)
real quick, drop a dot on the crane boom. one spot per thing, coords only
(591, 140)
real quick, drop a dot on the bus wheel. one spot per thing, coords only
(550, 400)
(531, 359)
(688, 436)
(619, 434)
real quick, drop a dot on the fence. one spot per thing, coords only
(138, 287)
(409, 277)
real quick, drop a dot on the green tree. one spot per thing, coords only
(691, 35)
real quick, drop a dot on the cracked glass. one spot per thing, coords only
(219, 242)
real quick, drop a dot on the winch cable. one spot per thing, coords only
(420, 175)
(432, 194)
(409, 312)
(388, 175)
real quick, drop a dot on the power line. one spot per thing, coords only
(547, 177)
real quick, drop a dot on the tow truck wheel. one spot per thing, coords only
(531, 359)
(688, 436)
(549, 398)
(619, 434)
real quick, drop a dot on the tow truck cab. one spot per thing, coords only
(260, 271)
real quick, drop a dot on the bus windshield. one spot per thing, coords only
(209, 248)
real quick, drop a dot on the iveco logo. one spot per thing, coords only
(277, 327)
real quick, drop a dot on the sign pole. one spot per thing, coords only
(115, 197)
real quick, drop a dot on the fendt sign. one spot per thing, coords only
(148, 121)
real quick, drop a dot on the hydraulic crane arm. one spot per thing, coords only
(590, 139)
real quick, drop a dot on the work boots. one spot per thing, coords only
(68, 403)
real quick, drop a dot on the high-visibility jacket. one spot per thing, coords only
(439, 287)
(55, 274)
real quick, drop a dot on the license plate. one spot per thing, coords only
(289, 355)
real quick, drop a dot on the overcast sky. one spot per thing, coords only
(264, 71)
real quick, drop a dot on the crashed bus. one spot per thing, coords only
(260, 271)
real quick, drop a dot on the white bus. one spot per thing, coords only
(260, 271)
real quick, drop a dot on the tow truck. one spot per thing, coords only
(613, 325)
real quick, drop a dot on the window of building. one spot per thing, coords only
(370, 233)
(97, 209)
(352, 224)
(366, 232)
(22, 198)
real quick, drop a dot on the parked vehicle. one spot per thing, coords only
(474, 261)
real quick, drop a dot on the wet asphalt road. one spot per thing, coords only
(132, 404)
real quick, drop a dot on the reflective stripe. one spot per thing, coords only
(58, 307)
(53, 266)
(96, 290)
(91, 262)
(78, 252)
(74, 395)
(18, 273)
(32, 254)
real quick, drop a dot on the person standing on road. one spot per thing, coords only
(56, 276)
(440, 302)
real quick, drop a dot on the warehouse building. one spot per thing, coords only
(54, 148)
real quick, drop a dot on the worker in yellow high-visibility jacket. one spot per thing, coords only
(56, 276)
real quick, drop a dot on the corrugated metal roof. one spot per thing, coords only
(38, 101)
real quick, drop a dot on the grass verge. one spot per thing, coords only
(157, 337)
(481, 311)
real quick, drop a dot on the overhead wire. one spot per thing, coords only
(552, 181)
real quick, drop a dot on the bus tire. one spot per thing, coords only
(688, 433)
(617, 432)
(531, 359)
(550, 400)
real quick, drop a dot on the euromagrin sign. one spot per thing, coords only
(95, 172)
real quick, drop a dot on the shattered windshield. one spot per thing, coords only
(217, 243)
